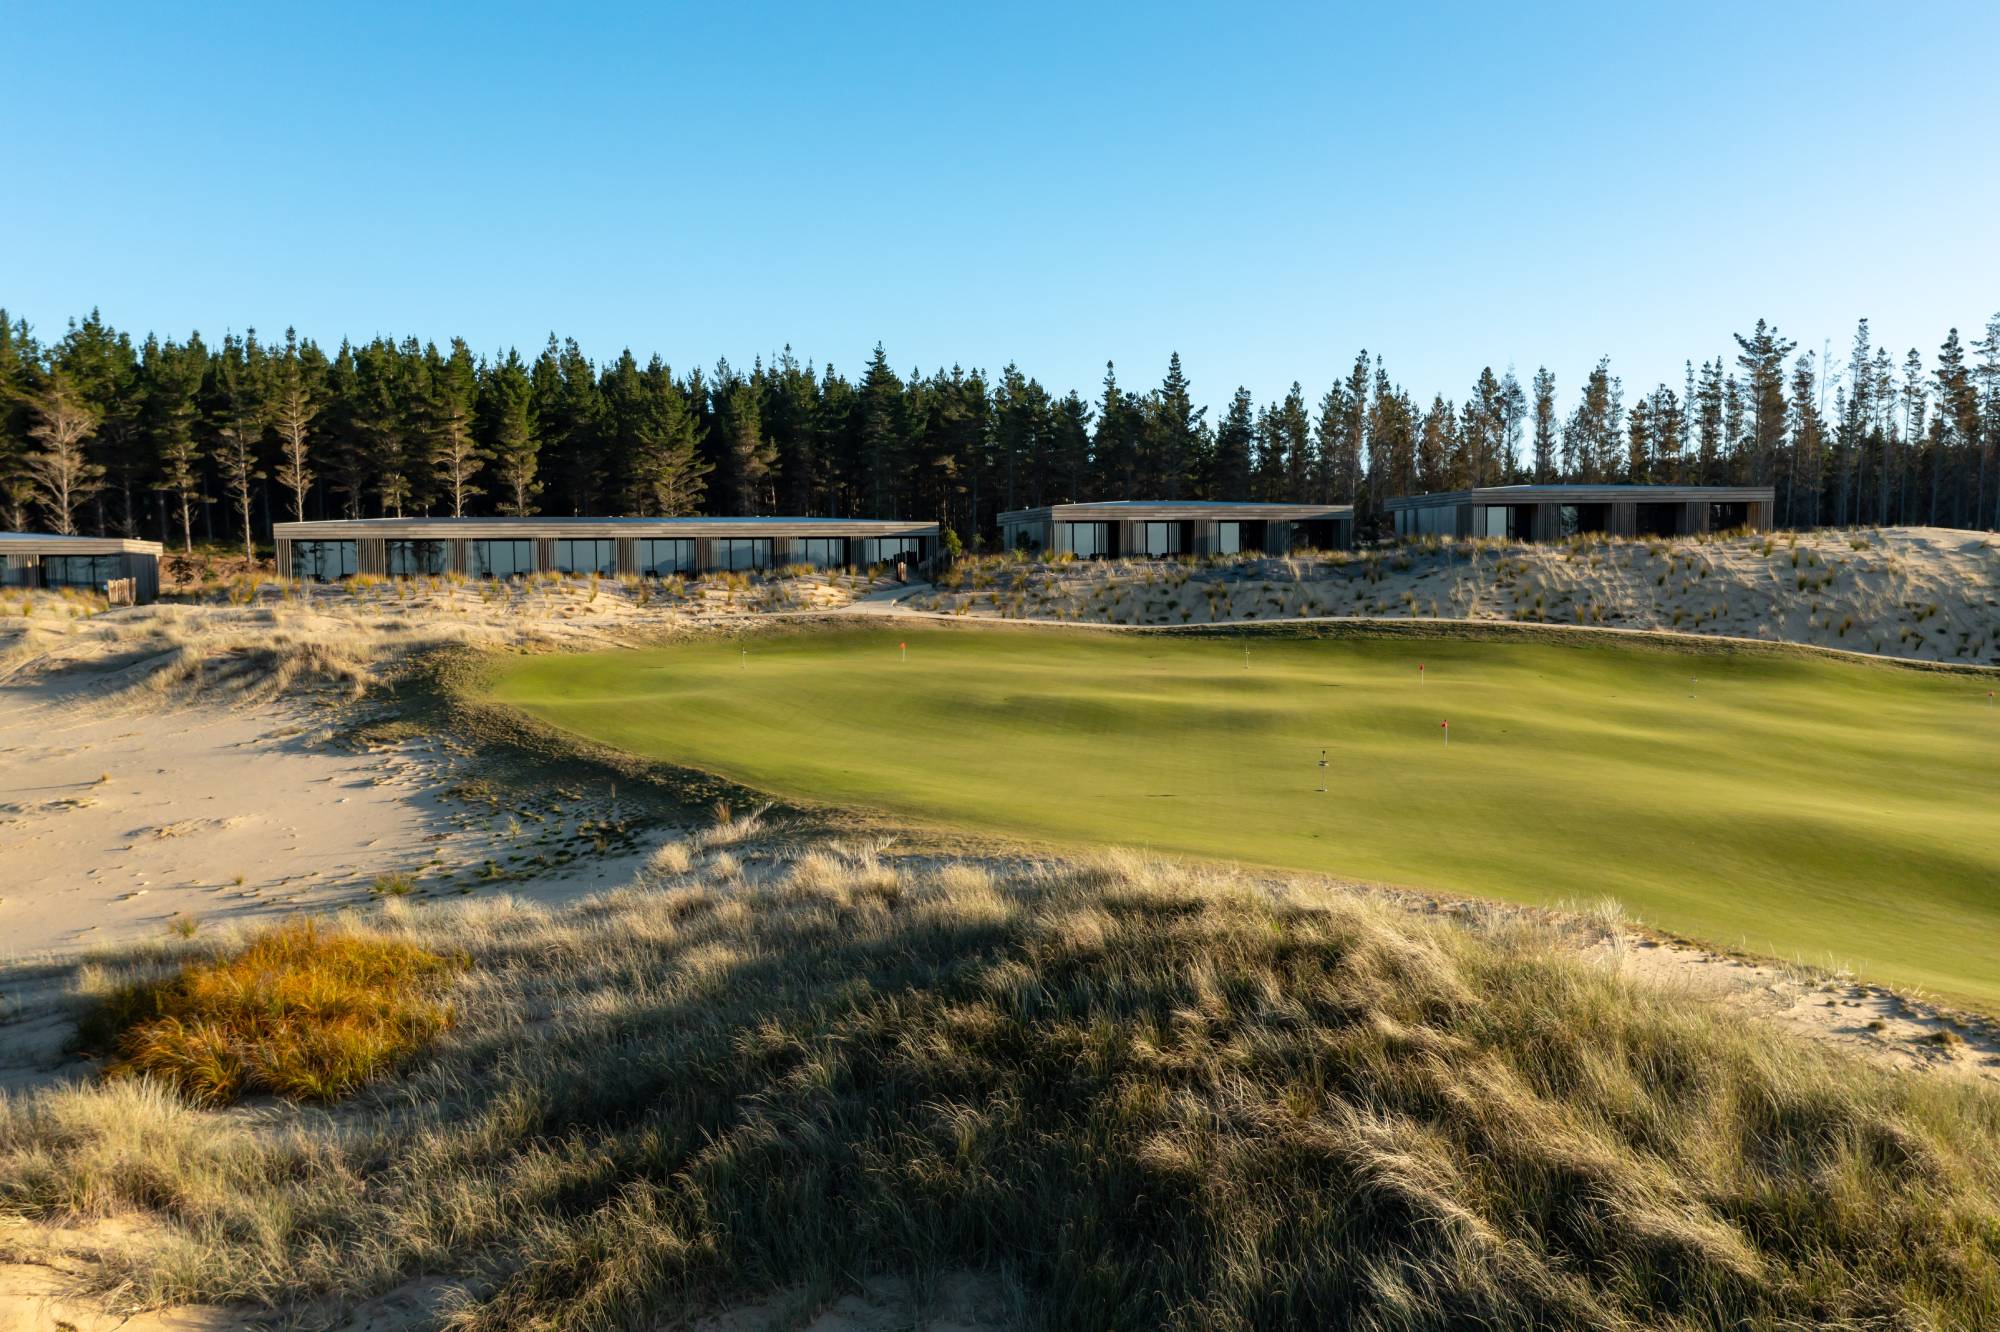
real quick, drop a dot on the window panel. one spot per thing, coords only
(662, 556)
(887, 550)
(823, 552)
(79, 570)
(738, 554)
(499, 559)
(586, 556)
(1228, 538)
(323, 561)
(413, 559)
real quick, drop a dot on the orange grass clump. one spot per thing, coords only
(306, 1013)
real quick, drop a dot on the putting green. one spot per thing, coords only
(1791, 805)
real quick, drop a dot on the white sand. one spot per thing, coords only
(120, 818)
(1922, 593)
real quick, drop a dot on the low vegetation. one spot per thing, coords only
(299, 1011)
(1772, 800)
(1143, 1096)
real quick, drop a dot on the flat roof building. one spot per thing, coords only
(1160, 529)
(1551, 513)
(649, 547)
(122, 569)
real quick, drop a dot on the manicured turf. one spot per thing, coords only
(1833, 812)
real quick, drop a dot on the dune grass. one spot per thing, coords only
(1140, 1095)
(298, 1011)
(1841, 814)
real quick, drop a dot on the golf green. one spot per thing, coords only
(1837, 813)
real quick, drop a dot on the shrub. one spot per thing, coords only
(306, 1013)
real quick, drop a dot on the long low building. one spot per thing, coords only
(121, 568)
(1551, 513)
(1159, 529)
(648, 547)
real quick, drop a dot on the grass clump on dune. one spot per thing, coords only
(1138, 1095)
(299, 1011)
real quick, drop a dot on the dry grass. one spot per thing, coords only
(299, 1011)
(1148, 1096)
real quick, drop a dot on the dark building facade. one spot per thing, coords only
(101, 564)
(646, 547)
(1142, 529)
(1552, 513)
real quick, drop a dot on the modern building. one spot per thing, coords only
(1143, 529)
(1550, 513)
(650, 547)
(102, 564)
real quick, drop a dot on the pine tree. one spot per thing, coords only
(1987, 375)
(667, 461)
(173, 379)
(1069, 432)
(509, 432)
(294, 404)
(1957, 420)
(1115, 450)
(1545, 425)
(60, 469)
(881, 432)
(455, 452)
(1233, 440)
(20, 372)
(1437, 441)
(1174, 442)
(1707, 413)
(1808, 444)
(1762, 361)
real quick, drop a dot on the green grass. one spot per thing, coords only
(1798, 806)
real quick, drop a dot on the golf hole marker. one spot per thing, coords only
(905, 647)
(1322, 772)
(1445, 726)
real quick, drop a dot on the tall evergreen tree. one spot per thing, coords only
(60, 468)
(509, 431)
(1233, 440)
(1545, 425)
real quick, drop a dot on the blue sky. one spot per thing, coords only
(1452, 187)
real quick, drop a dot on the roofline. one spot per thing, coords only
(1554, 493)
(37, 543)
(519, 528)
(1185, 509)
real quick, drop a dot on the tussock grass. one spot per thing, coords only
(1153, 1097)
(299, 1011)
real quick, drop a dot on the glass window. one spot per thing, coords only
(322, 561)
(887, 550)
(1228, 538)
(499, 559)
(413, 559)
(739, 553)
(1496, 520)
(80, 570)
(823, 552)
(1157, 540)
(660, 556)
(586, 556)
(1088, 541)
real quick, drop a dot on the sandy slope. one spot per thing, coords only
(199, 793)
(1925, 593)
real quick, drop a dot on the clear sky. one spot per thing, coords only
(1452, 187)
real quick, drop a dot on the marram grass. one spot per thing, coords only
(1139, 1095)
(299, 1011)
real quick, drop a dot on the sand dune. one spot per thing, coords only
(1927, 594)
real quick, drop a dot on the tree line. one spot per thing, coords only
(184, 440)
